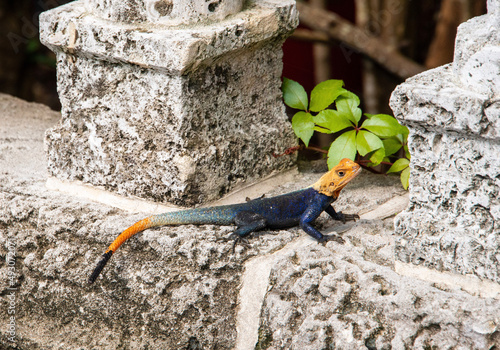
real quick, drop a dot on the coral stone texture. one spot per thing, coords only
(320, 299)
(172, 12)
(453, 112)
(184, 287)
(178, 114)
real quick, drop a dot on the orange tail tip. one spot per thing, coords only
(100, 266)
(132, 230)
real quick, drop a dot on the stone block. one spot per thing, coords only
(171, 12)
(322, 299)
(452, 224)
(477, 54)
(173, 114)
(184, 288)
(453, 220)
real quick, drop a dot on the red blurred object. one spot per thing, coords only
(298, 62)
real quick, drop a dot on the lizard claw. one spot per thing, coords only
(333, 237)
(238, 239)
(348, 217)
(248, 199)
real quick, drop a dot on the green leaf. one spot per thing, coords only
(294, 94)
(399, 165)
(405, 178)
(325, 93)
(382, 125)
(392, 145)
(303, 126)
(351, 96)
(322, 130)
(367, 142)
(348, 107)
(32, 46)
(344, 146)
(377, 157)
(407, 152)
(404, 130)
(332, 120)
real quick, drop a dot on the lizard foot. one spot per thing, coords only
(348, 217)
(248, 199)
(327, 238)
(238, 239)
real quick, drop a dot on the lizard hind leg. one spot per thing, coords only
(247, 223)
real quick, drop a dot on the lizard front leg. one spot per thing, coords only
(311, 213)
(339, 216)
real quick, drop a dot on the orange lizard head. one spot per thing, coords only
(335, 180)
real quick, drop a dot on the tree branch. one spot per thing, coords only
(311, 36)
(354, 39)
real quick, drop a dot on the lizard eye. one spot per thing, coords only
(340, 173)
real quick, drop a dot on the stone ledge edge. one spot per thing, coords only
(420, 91)
(71, 28)
(468, 283)
(138, 205)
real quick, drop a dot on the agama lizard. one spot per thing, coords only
(296, 208)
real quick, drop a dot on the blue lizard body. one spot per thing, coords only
(296, 208)
(278, 212)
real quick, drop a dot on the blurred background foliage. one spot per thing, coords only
(27, 68)
(372, 45)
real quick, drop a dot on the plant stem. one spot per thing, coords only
(317, 149)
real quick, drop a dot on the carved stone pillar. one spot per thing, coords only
(453, 222)
(169, 100)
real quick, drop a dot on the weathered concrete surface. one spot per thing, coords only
(171, 12)
(171, 114)
(323, 298)
(453, 112)
(180, 287)
(453, 220)
(477, 53)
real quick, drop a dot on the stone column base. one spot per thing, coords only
(170, 114)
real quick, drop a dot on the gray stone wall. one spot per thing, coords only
(170, 114)
(184, 288)
(453, 112)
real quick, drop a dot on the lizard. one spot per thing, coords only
(298, 208)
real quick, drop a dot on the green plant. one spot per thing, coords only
(377, 138)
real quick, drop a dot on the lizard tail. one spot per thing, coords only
(222, 215)
(132, 230)
(100, 266)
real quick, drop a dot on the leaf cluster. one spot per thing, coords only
(332, 109)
